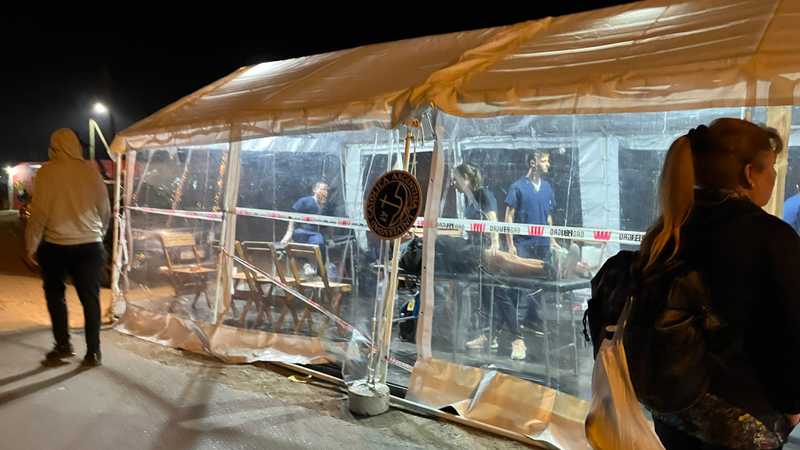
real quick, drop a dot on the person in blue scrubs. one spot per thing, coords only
(531, 200)
(305, 233)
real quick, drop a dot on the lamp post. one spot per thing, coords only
(100, 109)
(94, 129)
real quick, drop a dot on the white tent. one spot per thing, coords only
(568, 84)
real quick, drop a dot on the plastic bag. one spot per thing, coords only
(615, 420)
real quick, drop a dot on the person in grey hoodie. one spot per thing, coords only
(69, 216)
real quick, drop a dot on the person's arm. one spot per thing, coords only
(495, 237)
(34, 229)
(550, 208)
(289, 231)
(297, 206)
(510, 237)
(553, 242)
(513, 201)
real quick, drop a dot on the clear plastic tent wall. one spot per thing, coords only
(288, 274)
(501, 338)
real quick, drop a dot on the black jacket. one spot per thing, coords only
(751, 263)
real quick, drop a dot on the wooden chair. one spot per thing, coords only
(319, 288)
(185, 268)
(255, 295)
(265, 256)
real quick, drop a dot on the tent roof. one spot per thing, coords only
(653, 55)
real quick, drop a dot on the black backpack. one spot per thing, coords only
(670, 332)
(411, 260)
(611, 288)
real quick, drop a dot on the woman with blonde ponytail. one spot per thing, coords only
(676, 197)
(714, 183)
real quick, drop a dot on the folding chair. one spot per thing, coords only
(267, 257)
(185, 267)
(329, 293)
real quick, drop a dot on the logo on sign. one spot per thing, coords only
(393, 204)
(602, 235)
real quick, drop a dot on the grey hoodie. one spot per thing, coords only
(70, 202)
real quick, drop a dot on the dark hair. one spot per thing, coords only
(537, 153)
(472, 174)
(713, 156)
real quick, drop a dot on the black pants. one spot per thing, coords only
(538, 252)
(505, 310)
(83, 263)
(675, 439)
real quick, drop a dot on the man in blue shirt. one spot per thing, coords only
(791, 206)
(531, 200)
(305, 233)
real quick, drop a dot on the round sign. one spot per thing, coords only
(393, 204)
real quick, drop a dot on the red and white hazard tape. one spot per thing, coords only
(202, 215)
(474, 226)
(331, 221)
(443, 224)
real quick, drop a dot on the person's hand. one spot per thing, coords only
(30, 259)
(554, 245)
(285, 240)
(513, 250)
(493, 249)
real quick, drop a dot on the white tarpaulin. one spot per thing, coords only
(655, 55)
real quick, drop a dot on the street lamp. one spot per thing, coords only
(100, 108)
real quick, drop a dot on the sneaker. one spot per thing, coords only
(60, 352)
(518, 350)
(477, 343)
(494, 345)
(309, 270)
(94, 359)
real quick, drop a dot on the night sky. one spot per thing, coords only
(54, 69)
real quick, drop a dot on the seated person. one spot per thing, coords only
(306, 233)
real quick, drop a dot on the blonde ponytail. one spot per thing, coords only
(676, 198)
